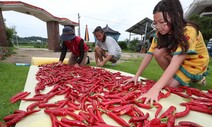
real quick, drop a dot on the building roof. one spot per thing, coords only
(34, 11)
(109, 30)
(200, 7)
(140, 27)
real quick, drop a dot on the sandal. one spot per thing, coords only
(201, 82)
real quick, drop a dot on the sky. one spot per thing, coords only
(119, 15)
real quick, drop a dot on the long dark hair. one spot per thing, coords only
(173, 9)
(99, 29)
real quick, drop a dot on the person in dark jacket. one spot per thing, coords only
(77, 47)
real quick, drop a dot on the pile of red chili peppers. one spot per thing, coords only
(91, 92)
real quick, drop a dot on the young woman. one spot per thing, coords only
(107, 49)
(76, 45)
(178, 47)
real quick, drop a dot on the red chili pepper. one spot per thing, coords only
(142, 105)
(72, 105)
(16, 119)
(202, 99)
(169, 111)
(155, 121)
(115, 117)
(62, 124)
(139, 118)
(54, 120)
(159, 108)
(119, 108)
(183, 113)
(129, 96)
(62, 103)
(112, 101)
(20, 116)
(181, 94)
(57, 111)
(9, 117)
(125, 110)
(138, 111)
(140, 124)
(73, 122)
(167, 93)
(208, 95)
(99, 115)
(91, 114)
(18, 111)
(49, 96)
(85, 116)
(101, 125)
(17, 95)
(47, 105)
(171, 120)
(94, 104)
(189, 123)
(33, 99)
(77, 117)
(17, 98)
(210, 91)
(197, 92)
(64, 91)
(32, 106)
(199, 108)
(197, 102)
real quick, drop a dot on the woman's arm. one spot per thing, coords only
(82, 52)
(63, 52)
(152, 94)
(145, 62)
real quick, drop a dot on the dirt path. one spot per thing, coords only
(24, 55)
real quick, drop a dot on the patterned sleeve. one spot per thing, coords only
(192, 38)
(153, 46)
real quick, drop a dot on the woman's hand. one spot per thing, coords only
(151, 96)
(133, 79)
(60, 63)
(100, 64)
(76, 65)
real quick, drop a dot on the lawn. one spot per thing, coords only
(13, 80)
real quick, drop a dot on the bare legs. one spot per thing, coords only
(99, 54)
(163, 58)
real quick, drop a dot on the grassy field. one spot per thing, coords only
(13, 80)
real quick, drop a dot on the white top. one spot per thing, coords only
(111, 46)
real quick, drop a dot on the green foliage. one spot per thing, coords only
(134, 45)
(91, 45)
(205, 24)
(6, 51)
(9, 33)
(123, 45)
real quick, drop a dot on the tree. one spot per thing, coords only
(9, 33)
(123, 45)
(205, 24)
(135, 45)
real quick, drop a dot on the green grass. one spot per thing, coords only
(13, 78)
(12, 81)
